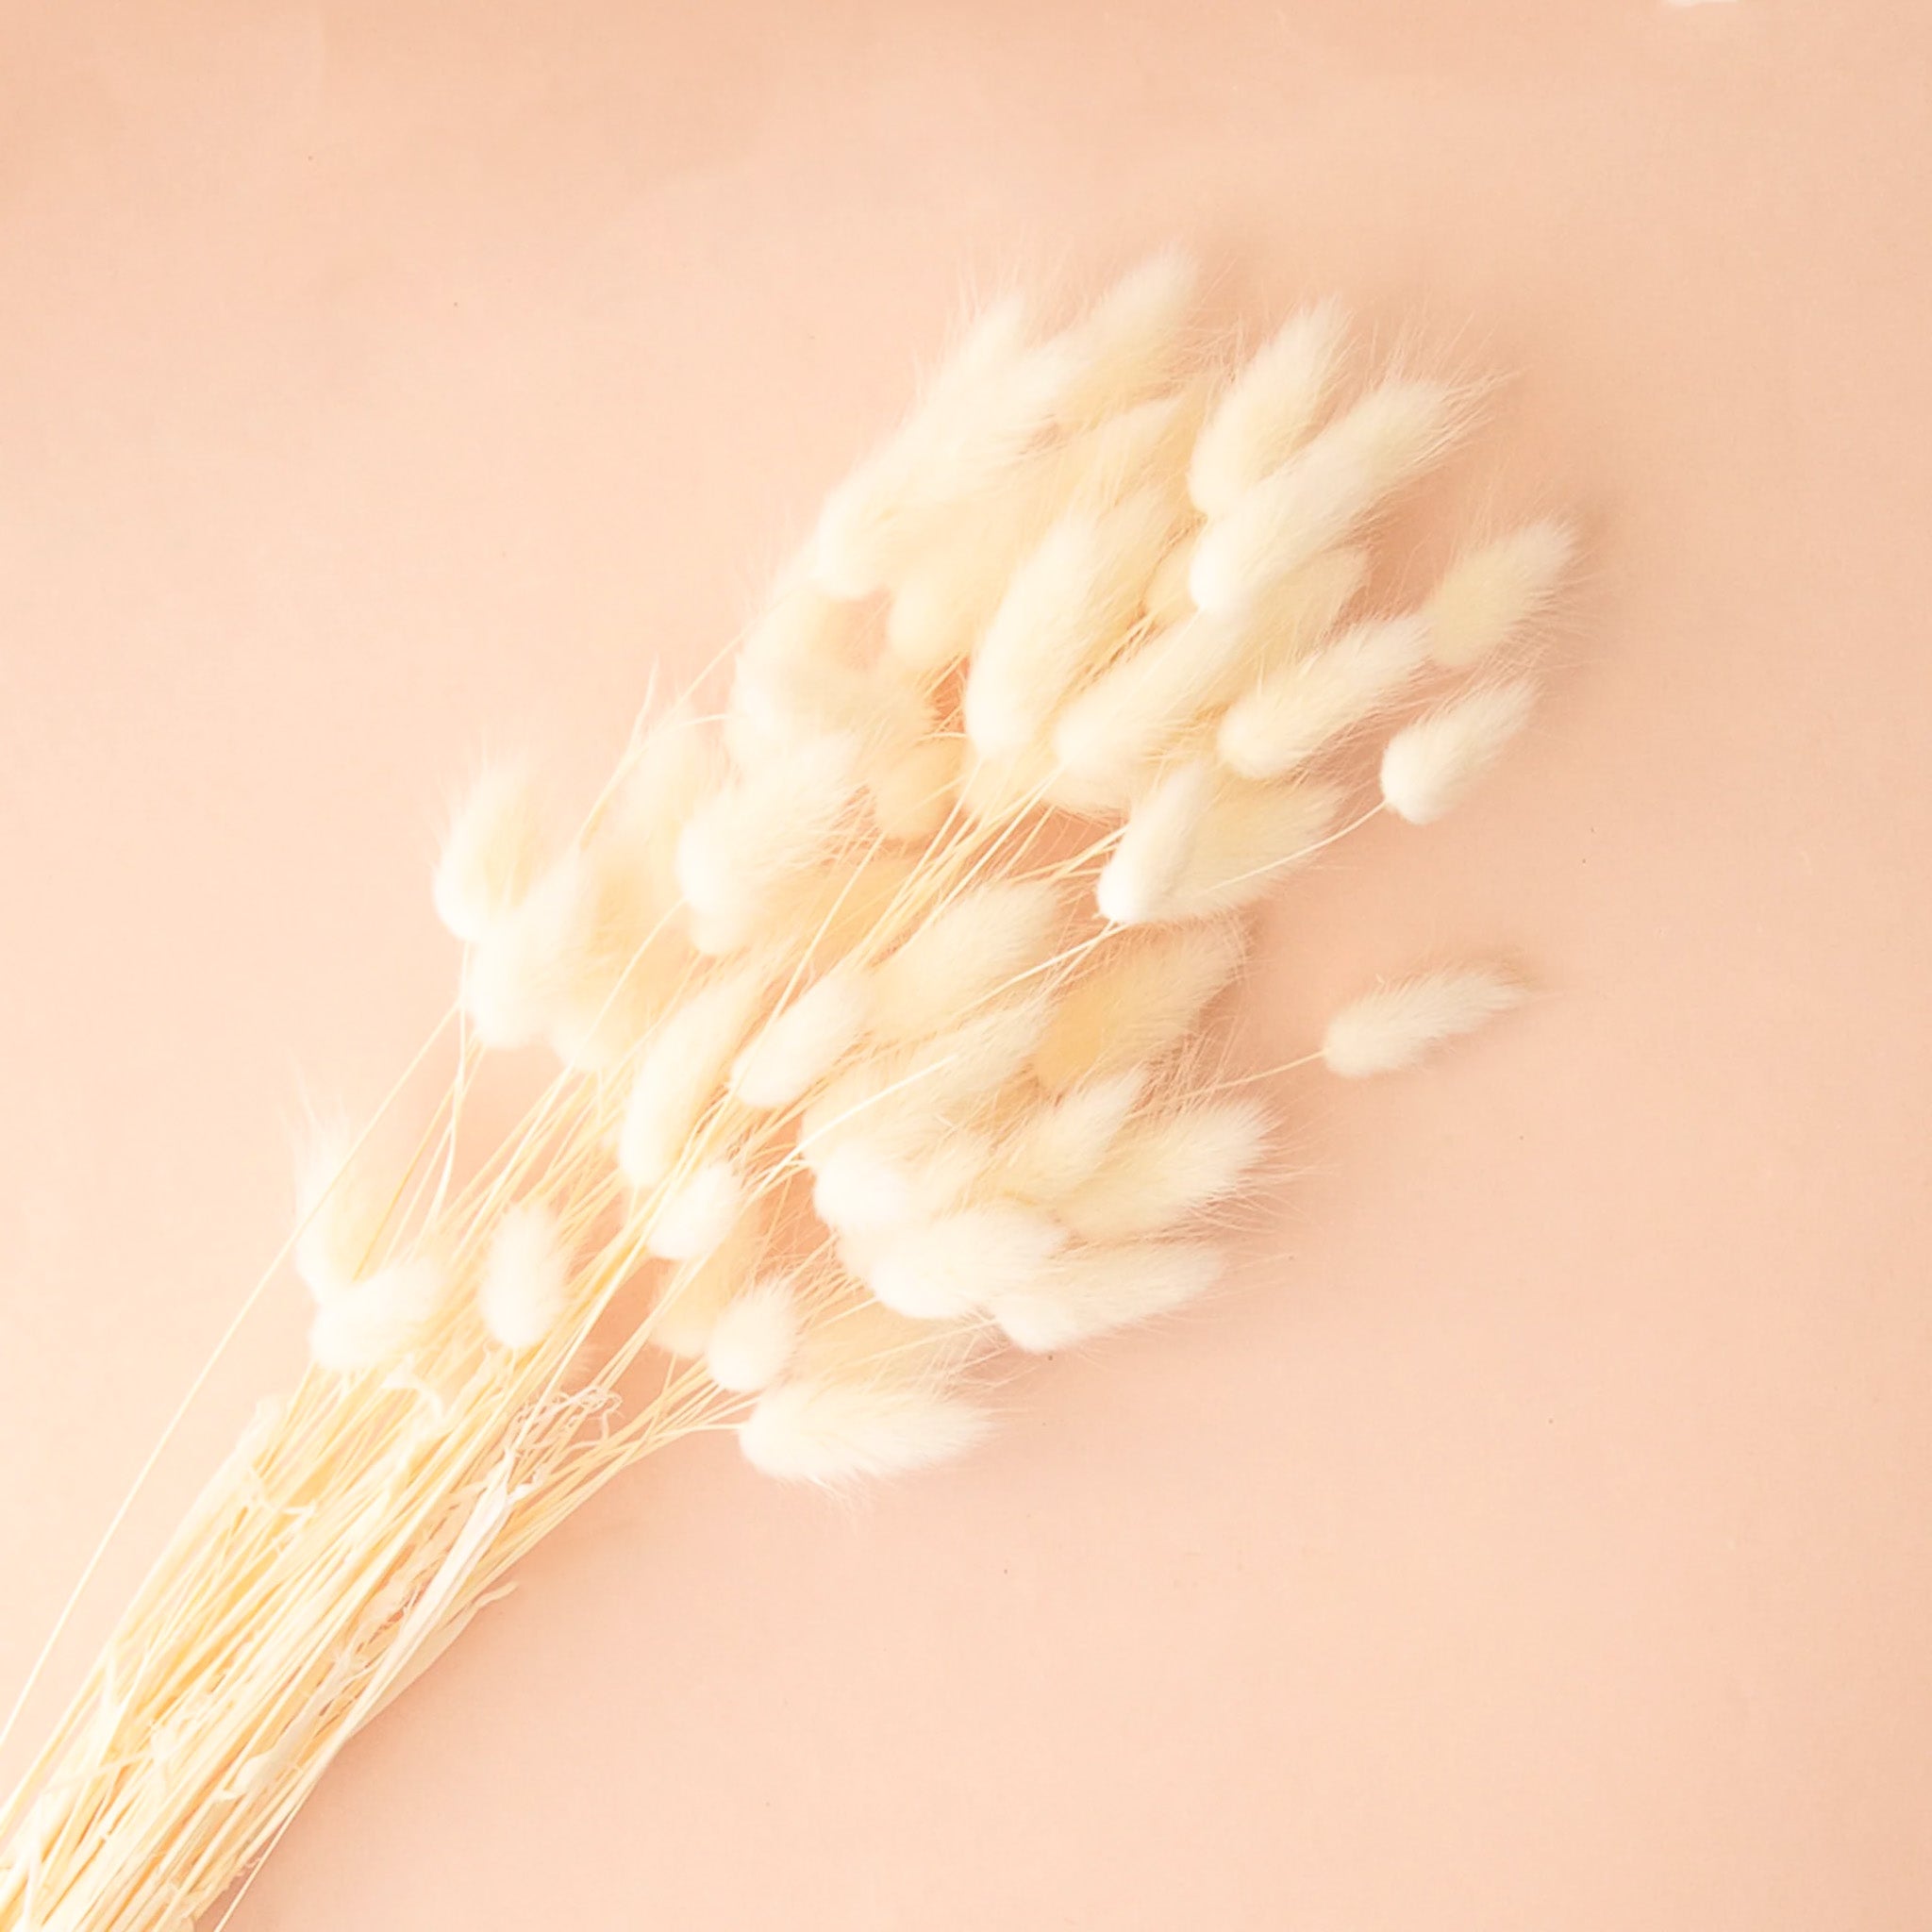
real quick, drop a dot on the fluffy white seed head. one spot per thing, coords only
(1157, 845)
(802, 1044)
(1429, 765)
(1164, 1169)
(774, 709)
(1300, 611)
(676, 765)
(884, 1176)
(1168, 599)
(837, 1432)
(1143, 445)
(602, 961)
(755, 1336)
(1487, 597)
(526, 1276)
(492, 852)
(695, 1292)
(896, 1134)
(1305, 706)
(802, 628)
(894, 1138)
(1399, 428)
(1398, 1024)
(952, 1073)
(1062, 1141)
(942, 604)
(859, 1339)
(839, 906)
(1127, 344)
(695, 1215)
(876, 516)
(1094, 1291)
(1268, 410)
(630, 957)
(1250, 837)
(983, 413)
(1068, 605)
(341, 1209)
(744, 844)
(939, 1270)
(996, 788)
(1144, 994)
(1146, 699)
(1323, 493)
(682, 1072)
(973, 948)
(912, 793)
(374, 1321)
(516, 976)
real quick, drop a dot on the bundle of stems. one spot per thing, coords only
(880, 1007)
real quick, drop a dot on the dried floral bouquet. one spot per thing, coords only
(883, 1005)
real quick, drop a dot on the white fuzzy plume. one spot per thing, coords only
(696, 1214)
(1061, 1143)
(1067, 607)
(526, 1276)
(839, 906)
(695, 1292)
(983, 413)
(749, 839)
(339, 1210)
(1164, 1169)
(912, 792)
(755, 1336)
(492, 852)
(375, 1322)
(895, 1139)
(1302, 708)
(519, 971)
(624, 954)
(1487, 598)
(802, 629)
(776, 709)
(1094, 1291)
(1144, 446)
(1268, 410)
(1126, 346)
(681, 1072)
(1429, 765)
(902, 1101)
(1298, 612)
(944, 1269)
(1157, 845)
(1323, 493)
(802, 1044)
(887, 1175)
(1398, 1024)
(974, 946)
(1249, 837)
(951, 1073)
(1143, 994)
(942, 602)
(834, 1432)
(1142, 702)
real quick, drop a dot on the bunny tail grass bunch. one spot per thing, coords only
(875, 1003)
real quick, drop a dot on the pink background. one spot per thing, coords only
(1541, 1537)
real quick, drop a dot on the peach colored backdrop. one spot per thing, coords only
(1543, 1538)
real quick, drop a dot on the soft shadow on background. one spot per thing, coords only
(1539, 1537)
